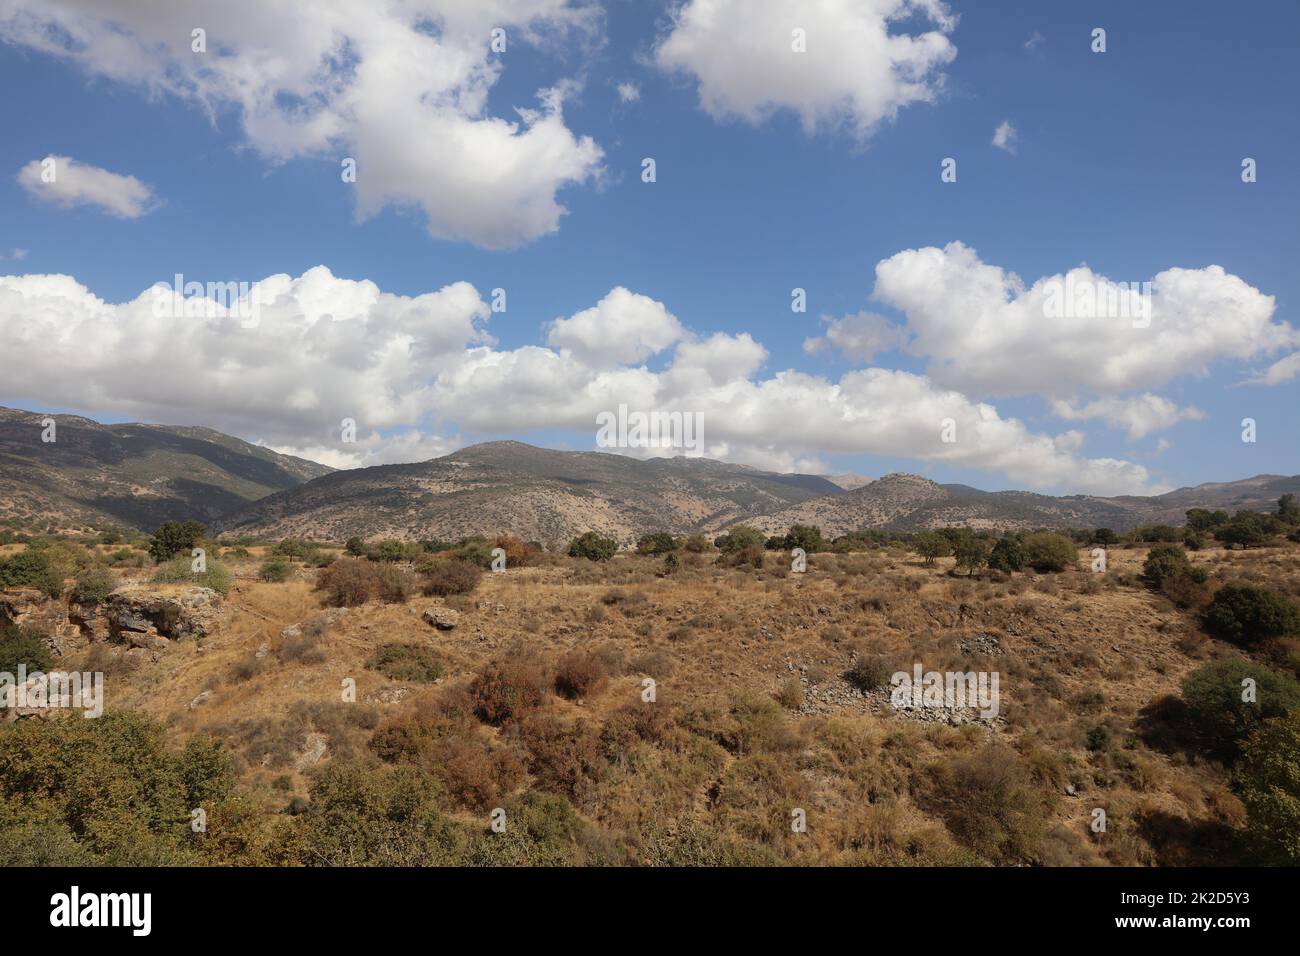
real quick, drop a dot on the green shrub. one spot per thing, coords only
(410, 662)
(388, 816)
(1268, 782)
(275, 570)
(94, 583)
(24, 645)
(593, 546)
(1047, 551)
(542, 829)
(180, 571)
(356, 547)
(475, 550)
(657, 542)
(1218, 713)
(1166, 561)
(1246, 615)
(391, 550)
(31, 569)
(739, 538)
(114, 784)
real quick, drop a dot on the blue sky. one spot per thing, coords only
(1127, 161)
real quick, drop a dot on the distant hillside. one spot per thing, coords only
(908, 502)
(533, 492)
(137, 476)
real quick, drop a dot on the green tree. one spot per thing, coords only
(1008, 554)
(175, 537)
(657, 542)
(739, 538)
(1287, 509)
(1246, 615)
(356, 546)
(971, 552)
(806, 536)
(1246, 529)
(1228, 699)
(593, 546)
(930, 545)
(1105, 537)
(1202, 520)
(1268, 782)
(1047, 551)
(1166, 561)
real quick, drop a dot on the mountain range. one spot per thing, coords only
(135, 475)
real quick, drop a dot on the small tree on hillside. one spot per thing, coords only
(806, 536)
(175, 537)
(930, 545)
(593, 546)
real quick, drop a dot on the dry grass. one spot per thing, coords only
(542, 681)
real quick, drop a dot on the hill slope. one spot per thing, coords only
(909, 502)
(95, 476)
(533, 492)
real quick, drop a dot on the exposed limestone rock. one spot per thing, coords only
(28, 607)
(443, 618)
(147, 617)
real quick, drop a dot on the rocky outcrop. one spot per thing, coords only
(147, 617)
(443, 618)
(28, 607)
(142, 615)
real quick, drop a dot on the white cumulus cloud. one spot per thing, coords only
(983, 330)
(859, 66)
(401, 86)
(62, 181)
(416, 372)
(1140, 414)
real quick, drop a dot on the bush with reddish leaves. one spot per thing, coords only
(507, 690)
(444, 577)
(580, 674)
(350, 582)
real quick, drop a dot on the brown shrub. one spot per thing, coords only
(631, 724)
(567, 760)
(989, 803)
(518, 553)
(580, 674)
(508, 689)
(474, 772)
(441, 578)
(350, 582)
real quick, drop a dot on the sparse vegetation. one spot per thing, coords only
(180, 570)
